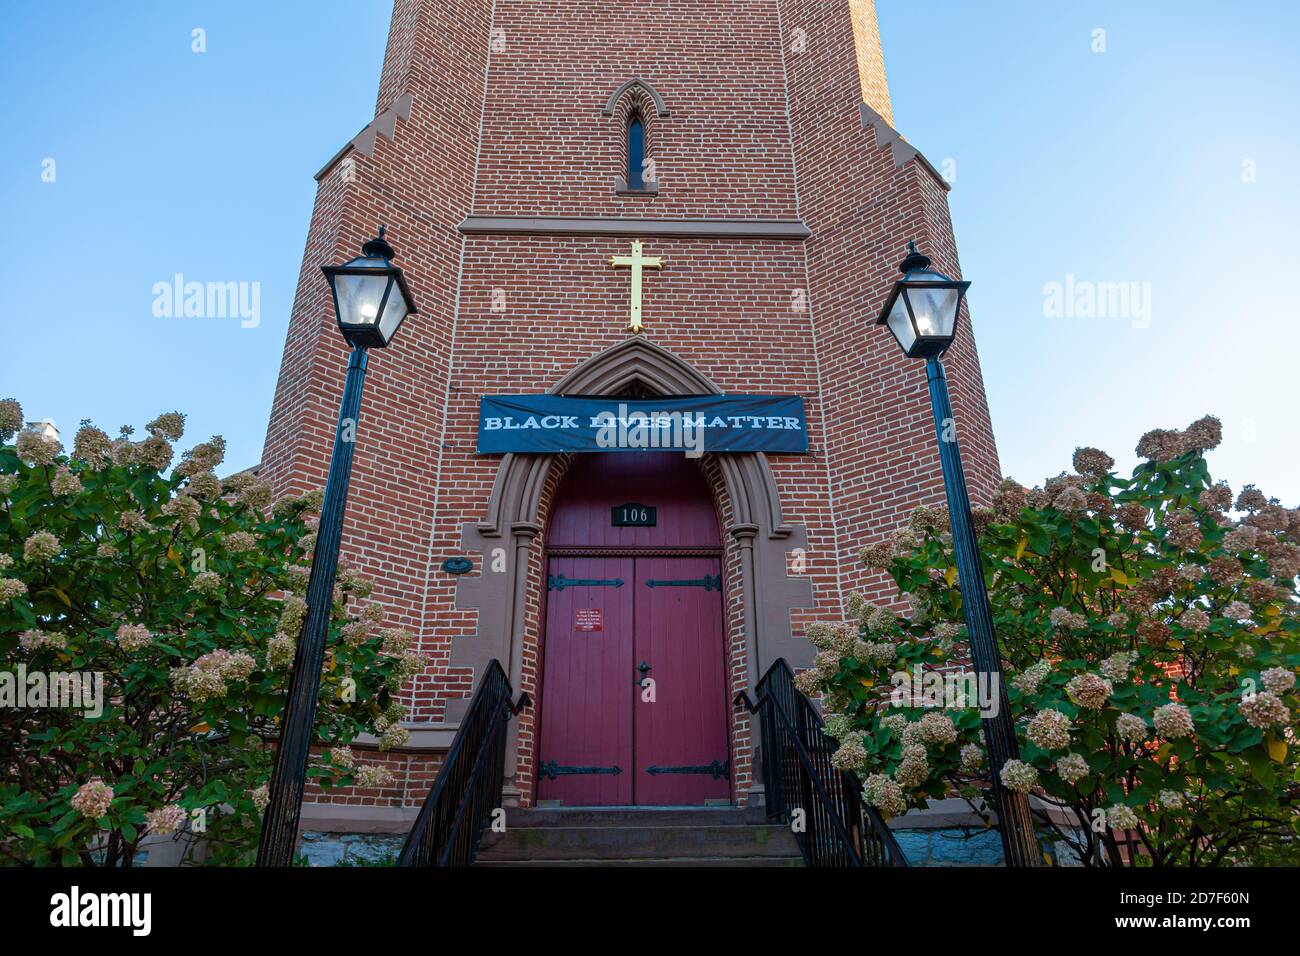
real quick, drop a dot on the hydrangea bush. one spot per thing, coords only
(183, 593)
(1151, 638)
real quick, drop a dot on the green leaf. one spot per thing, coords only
(1261, 767)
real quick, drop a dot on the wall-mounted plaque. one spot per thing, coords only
(588, 619)
(633, 515)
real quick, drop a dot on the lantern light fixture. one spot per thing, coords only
(371, 298)
(922, 309)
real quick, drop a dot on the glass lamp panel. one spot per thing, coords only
(900, 323)
(359, 297)
(394, 311)
(935, 310)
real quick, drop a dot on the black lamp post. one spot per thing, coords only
(922, 314)
(370, 301)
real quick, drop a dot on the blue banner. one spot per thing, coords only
(555, 423)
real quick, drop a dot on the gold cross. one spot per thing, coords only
(635, 262)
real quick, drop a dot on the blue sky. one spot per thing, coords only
(1122, 166)
(1132, 165)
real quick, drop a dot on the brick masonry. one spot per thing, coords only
(496, 109)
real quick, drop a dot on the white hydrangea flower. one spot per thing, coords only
(1089, 690)
(1263, 710)
(1116, 667)
(165, 819)
(883, 792)
(372, 775)
(894, 721)
(132, 637)
(41, 546)
(279, 652)
(937, 728)
(1277, 680)
(261, 796)
(1121, 817)
(1173, 721)
(1072, 768)
(1027, 681)
(852, 753)
(1131, 727)
(837, 726)
(1018, 776)
(1049, 729)
(93, 798)
(914, 768)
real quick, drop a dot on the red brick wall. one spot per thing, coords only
(412, 776)
(548, 151)
(756, 130)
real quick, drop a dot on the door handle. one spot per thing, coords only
(644, 668)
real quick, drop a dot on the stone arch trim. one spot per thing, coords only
(516, 512)
(635, 361)
(644, 86)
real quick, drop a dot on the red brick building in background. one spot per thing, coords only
(781, 201)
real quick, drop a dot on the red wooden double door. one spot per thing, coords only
(634, 693)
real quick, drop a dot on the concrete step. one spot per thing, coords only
(634, 816)
(616, 841)
(692, 861)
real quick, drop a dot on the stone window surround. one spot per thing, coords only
(636, 96)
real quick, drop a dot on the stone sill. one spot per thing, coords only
(647, 191)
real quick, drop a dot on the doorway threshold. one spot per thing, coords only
(626, 808)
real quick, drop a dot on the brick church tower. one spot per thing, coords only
(778, 199)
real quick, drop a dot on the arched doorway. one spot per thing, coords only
(634, 693)
(511, 606)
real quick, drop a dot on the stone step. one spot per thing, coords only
(617, 842)
(634, 816)
(763, 861)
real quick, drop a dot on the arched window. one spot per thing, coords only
(637, 109)
(635, 152)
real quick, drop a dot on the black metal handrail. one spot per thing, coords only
(838, 828)
(469, 784)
